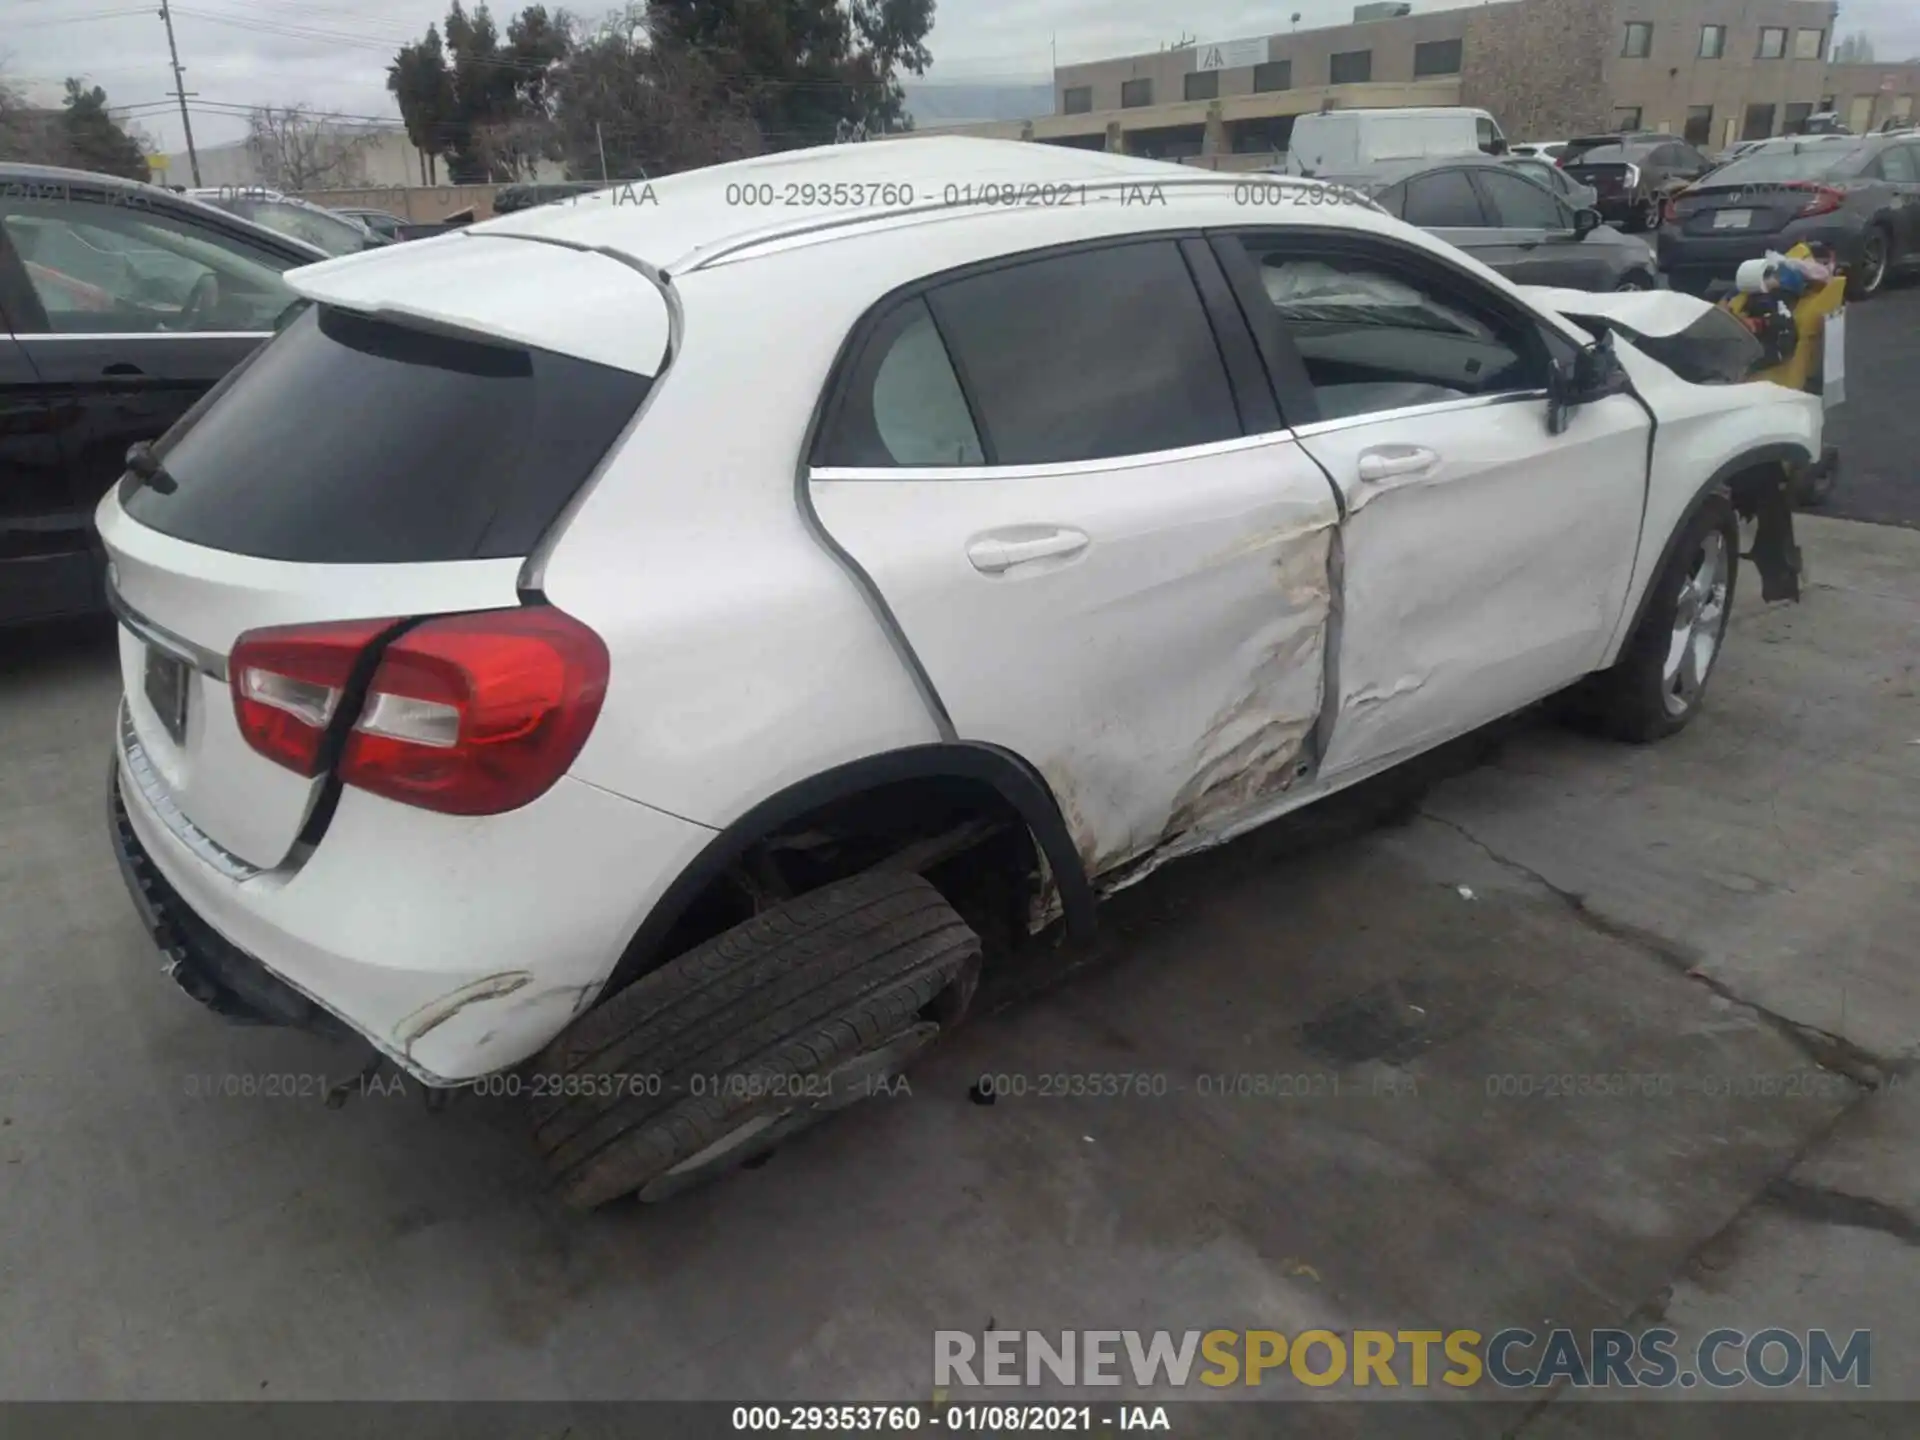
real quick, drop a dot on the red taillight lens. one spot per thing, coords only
(476, 714)
(1824, 200)
(288, 683)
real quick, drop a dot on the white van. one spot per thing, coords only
(1339, 142)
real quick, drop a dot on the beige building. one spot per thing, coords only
(1714, 70)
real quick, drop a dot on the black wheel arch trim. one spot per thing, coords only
(1720, 483)
(1011, 777)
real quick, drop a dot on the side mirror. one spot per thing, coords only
(1497, 146)
(1585, 222)
(1591, 375)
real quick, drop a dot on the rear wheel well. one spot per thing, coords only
(964, 832)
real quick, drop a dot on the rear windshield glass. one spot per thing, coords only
(1789, 162)
(1609, 155)
(355, 441)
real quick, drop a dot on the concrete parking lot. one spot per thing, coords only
(1734, 910)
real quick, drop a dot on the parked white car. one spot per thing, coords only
(639, 654)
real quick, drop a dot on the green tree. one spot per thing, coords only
(805, 66)
(94, 139)
(423, 86)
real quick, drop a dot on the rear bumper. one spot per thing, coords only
(456, 947)
(1694, 262)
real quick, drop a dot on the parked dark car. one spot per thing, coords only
(120, 305)
(387, 226)
(293, 217)
(1549, 174)
(1634, 174)
(509, 198)
(1858, 193)
(1509, 223)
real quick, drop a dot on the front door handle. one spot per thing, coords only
(994, 553)
(1392, 462)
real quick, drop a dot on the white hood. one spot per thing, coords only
(1655, 314)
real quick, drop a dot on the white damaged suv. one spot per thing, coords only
(652, 647)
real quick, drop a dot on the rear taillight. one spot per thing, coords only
(476, 714)
(1824, 199)
(288, 683)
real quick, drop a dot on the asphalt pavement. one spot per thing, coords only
(1733, 910)
(1878, 429)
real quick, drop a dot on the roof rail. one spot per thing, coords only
(702, 256)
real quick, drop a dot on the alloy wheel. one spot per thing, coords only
(1699, 624)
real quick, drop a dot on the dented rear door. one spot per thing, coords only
(1105, 554)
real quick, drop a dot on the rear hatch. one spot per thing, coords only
(397, 451)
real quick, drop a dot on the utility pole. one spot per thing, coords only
(601, 141)
(180, 90)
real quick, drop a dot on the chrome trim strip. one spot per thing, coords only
(207, 662)
(35, 338)
(1269, 440)
(1416, 412)
(153, 789)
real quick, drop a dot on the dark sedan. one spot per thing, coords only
(1860, 194)
(1633, 174)
(1508, 222)
(120, 305)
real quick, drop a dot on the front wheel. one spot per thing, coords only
(1657, 685)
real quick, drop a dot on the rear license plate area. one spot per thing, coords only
(1732, 219)
(167, 684)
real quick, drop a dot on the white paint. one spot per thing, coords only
(1167, 677)
(1657, 314)
(1495, 577)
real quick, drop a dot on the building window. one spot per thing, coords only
(1699, 131)
(1713, 41)
(1797, 116)
(1809, 44)
(1273, 75)
(1135, 93)
(1759, 122)
(1078, 100)
(1436, 57)
(1626, 119)
(1351, 67)
(1773, 42)
(1639, 42)
(1202, 85)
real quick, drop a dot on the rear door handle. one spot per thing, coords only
(994, 553)
(1390, 462)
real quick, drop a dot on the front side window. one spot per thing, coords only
(1773, 42)
(1522, 205)
(1087, 356)
(1639, 41)
(1898, 164)
(1378, 335)
(1443, 200)
(113, 266)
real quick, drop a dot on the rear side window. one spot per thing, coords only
(1088, 356)
(1443, 200)
(902, 403)
(354, 441)
(1521, 204)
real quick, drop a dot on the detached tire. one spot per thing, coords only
(722, 1053)
(1661, 677)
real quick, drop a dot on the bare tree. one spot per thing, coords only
(294, 149)
(513, 149)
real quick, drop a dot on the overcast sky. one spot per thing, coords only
(332, 55)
